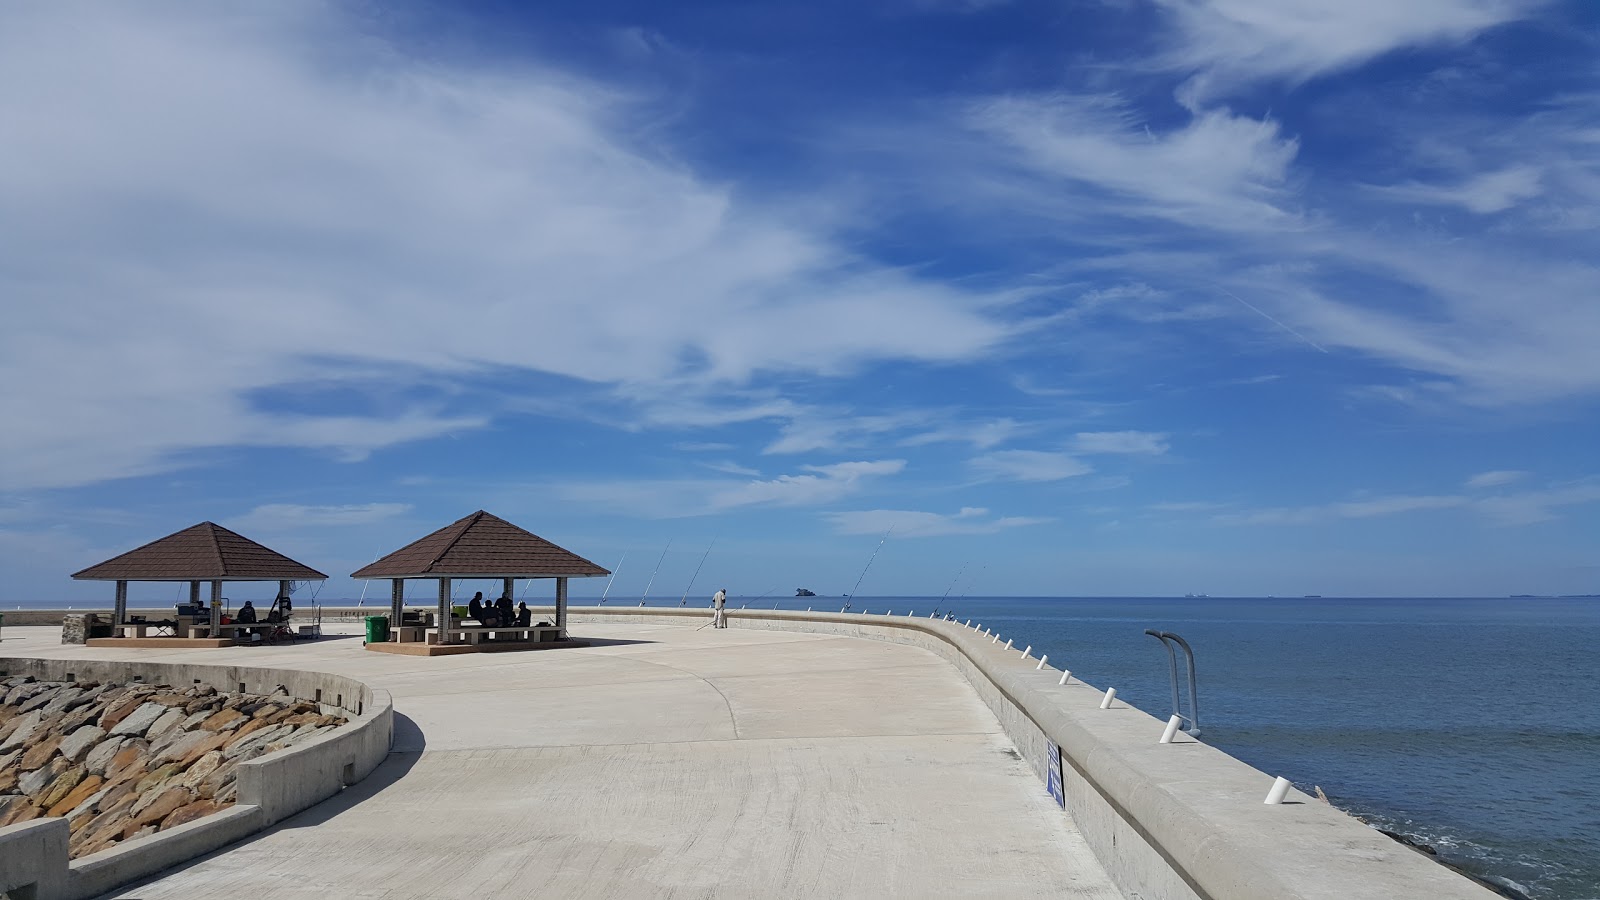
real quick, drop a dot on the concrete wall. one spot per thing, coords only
(271, 787)
(1183, 821)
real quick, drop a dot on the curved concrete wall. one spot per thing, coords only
(271, 787)
(1183, 820)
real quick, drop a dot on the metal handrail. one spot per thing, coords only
(1167, 638)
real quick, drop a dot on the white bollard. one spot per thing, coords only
(1008, 643)
(969, 623)
(910, 614)
(1111, 694)
(1043, 658)
(808, 609)
(1027, 651)
(889, 613)
(1065, 674)
(1280, 789)
(1172, 728)
(995, 639)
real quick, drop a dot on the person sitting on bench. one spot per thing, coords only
(475, 608)
(503, 607)
(524, 615)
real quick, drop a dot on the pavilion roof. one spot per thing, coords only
(204, 552)
(481, 545)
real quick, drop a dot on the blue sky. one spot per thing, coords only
(1110, 297)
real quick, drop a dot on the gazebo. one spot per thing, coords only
(481, 545)
(204, 552)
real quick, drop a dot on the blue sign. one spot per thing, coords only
(1053, 780)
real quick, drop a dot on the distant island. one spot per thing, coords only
(802, 592)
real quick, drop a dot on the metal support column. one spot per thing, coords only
(561, 606)
(119, 612)
(444, 611)
(397, 606)
(508, 588)
(194, 593)
(216, 606)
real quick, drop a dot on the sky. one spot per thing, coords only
(1066, 298)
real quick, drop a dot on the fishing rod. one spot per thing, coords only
(612, 578)
(950, 588)
(653, 574)
(874, 556)
(684, 600)
(367, 582)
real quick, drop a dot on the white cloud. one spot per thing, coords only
(1229, 43)
(1030, 465)
(289, 193)
(980, 435)
(910, 523)
(1521, 508)
(1489, 192)
(825, 484)
(675, 498)
(1142, 443)
(1218, 170)
(288, 516)
(1495, 478)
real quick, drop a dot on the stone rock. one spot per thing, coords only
(186, 814)
(61, 787)
(31, 783)
(223, 720)
(77, 745)
(86, 788)
(256, 741)
(136, 722)
(63, 700)
(9, 803)
(131, 754)
(180, 748)
(99, 759)
(219, 781)
(168, 721)
(112, 815)
(86, 807)
(203, 768)
(19, 729)
(213, 743)
(74, 719)
(159, 807)
(40, 752)
(193, 720)
(265, 710)
(156, 777)
(248, 728)
(8, 779)
(35, 696)
(26, 812)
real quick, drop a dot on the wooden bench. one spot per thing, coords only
(537, 633)
(141, 629)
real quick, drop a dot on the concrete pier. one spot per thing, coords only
(660, 761)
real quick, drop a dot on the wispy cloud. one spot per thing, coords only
(289, 516)
(1518, 508)
(1030, 465)
(1489, 192)
(1231, 43)
(1138, 443)
(675, 498)
(1496, 478)
(911, 523)
(364, 207)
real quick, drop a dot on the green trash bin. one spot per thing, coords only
(377, 629)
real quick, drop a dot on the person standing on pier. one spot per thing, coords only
(719, 619)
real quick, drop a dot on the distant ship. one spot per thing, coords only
(802, 592)
(1193, 596)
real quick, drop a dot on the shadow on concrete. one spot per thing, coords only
(610, 642)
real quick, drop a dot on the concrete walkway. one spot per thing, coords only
(661, 762)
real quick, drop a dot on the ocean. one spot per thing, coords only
(1471, 725)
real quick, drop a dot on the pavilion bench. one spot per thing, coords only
(539, 633)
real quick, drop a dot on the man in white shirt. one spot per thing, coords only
(719, 619)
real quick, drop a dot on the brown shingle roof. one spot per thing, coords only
(204, 552)
(481, 545)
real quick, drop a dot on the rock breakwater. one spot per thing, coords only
(121, 761)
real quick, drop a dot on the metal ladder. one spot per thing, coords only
(1191, 722)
